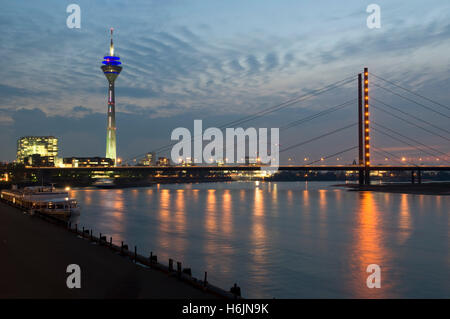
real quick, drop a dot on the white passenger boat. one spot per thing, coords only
(42, 199)
(104, 183)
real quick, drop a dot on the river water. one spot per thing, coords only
(284, 239)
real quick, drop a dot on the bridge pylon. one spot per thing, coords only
(366, 128)
(360, 132)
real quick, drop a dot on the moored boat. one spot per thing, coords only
(42, 199)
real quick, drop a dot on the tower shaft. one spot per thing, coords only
(111, 127)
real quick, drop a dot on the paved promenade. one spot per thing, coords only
(34, 255)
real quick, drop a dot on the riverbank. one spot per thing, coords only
(438, 188)
(35, 255)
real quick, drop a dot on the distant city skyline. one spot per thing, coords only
(216, 61)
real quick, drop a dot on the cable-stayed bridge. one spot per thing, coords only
(365, 125)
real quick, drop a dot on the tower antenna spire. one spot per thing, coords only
(111, 47)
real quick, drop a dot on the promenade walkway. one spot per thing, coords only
(34, 255)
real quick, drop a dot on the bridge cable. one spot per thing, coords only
(410, 91)
(410, 115)
(376, 106)
(380, 151)
(317, 137)
(406, 98)
(309, 118)
(332, 155)
(402, 141)
(269, 110)
(411, 139)
(317, 115)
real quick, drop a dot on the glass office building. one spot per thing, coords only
(37, 150)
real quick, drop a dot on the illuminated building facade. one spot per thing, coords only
(163, 161)
(111, 69)
(148, 160)
(37, 150)
(87, 161)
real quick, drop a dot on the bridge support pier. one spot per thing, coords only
(367, 176)
(361, 177)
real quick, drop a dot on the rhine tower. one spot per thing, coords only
(111, 68)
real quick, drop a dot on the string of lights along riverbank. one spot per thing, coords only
(111, 68)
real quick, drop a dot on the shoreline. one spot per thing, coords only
(435, 188)
(36, 252)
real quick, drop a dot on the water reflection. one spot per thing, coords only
(368, 248)
(284, 239)
(404, 219)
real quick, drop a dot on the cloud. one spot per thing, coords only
(179, 63)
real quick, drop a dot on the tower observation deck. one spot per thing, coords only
(111, 68)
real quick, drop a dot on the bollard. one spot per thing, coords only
(236, 290)
(153, 258)
(170, 264)
(179, 268)
(205, 280)
(187, 271)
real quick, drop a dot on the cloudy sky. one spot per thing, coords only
(220, 61)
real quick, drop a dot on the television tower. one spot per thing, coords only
(111, 68)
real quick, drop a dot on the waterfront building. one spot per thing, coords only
(163, 161)
(37, 150)
(111, 69)
(87, 161)
(148, 160)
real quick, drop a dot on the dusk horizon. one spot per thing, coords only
(187, 62)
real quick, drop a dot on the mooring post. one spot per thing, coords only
(179, 268)
(236, 290)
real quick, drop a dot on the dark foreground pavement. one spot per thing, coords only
(34, 256)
